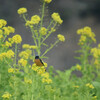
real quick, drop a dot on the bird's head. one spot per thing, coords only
(36, 57)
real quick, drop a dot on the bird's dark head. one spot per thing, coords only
(36, 57)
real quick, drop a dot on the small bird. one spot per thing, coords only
(38, 61)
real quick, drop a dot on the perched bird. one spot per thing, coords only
(38, 61)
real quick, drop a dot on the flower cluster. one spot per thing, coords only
(47, 1)
(96, 54)
(2, 23)
(8, 54)
(6, 95)
(86, 34)
(27, 46)
(43, 31)
(56, 18)
(28, 81)
(16, 39)
(22, 62)
(22, 10)
(42, 73)
(78, 67)
(61, 37)
(90, 85)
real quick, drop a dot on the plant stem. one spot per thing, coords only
(15, 53)
(50, 48)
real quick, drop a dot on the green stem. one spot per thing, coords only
(50, 48)
(42, 14)
(48, 34)
(15, 53)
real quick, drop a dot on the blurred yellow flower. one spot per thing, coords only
(78, 67)
(22, 10)
(24, 55)
(10, 54)
(25, 46)
(90, 85)
(6, 95)
(43, 31)
(61, 37)
(22, 62)
(47, 1)
(17, 39)
(3, 23)
(11, 70)
(56, 18)
(35, 19)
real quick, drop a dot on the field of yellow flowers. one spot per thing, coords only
(22, 79)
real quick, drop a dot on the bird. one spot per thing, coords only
(38, 61)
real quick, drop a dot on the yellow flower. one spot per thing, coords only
(22, 10)
(35, 19)
(45, 64)
(28, 23)
(33, 47)
(6, 95)
(22, 62)
(46, 80)
(43, 31)
(9, 54)
(26, 46)
(11, 70)
(78, 67)
(34, 67)
(29, 81)
(8, 44)
(87, 32)
(46, 75)
(47, 1)
(24, 55)
(61, 37)
(90, 85)
(6, 31)
(82, 38)
(17, 39)
(76, 86)
(1, 32)
(1, 36)
(3, 23)
(11, 29)
(56, 18)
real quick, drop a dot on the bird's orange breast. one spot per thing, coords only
(38, 62)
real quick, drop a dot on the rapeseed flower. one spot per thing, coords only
(87, 32)
(16, 39)
(33, 47)
(8, 44)
(43, 31)
(56, 18)
(78, 67)
(11, 70)
(10, 54)
(29, 23)
(3, 23)
(61, 37)
(35, 19)
(24, 55)
(29, 81)
(47, 1)
(6, 95)
(11, 29)
(21, 11)
(26, 46)
(22, 62)
(90, 85)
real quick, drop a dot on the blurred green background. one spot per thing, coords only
(75, 14)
